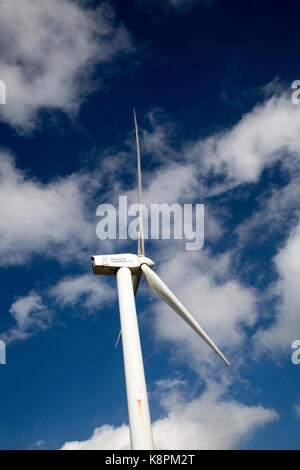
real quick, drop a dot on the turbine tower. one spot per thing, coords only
(128, 269)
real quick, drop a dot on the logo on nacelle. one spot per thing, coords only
(109, 264)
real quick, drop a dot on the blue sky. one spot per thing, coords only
(211, 83)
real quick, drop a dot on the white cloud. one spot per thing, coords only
(201, 423)
(35, 218)
(284, 328)
(267, 134)
(105, 437)
(88, 290)
(30, 315)
(48, 53)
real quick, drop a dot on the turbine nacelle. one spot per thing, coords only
(109, 264)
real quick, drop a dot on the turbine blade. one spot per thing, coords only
(118, 340)
(141, 251)
(135, 282)
(160, 289)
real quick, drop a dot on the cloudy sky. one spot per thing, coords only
(219, 125)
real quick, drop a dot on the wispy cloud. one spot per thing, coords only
(297, 409)
(37, 445)
(284, 328)
(178, 6)
(30, 316)
(84, 290)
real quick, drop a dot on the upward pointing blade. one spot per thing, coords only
(160, 288)
(141, 251)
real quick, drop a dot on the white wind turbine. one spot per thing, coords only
(129, 268)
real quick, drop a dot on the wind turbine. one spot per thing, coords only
(128, 269)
